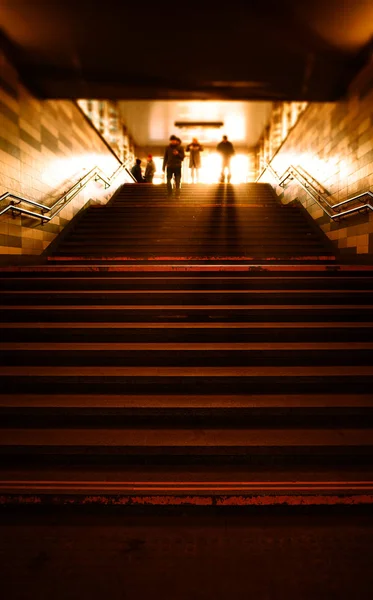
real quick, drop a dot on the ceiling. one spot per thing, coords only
(242, 49)
(152, 122)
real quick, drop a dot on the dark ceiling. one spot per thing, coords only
(191, 50)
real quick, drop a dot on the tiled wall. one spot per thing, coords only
(334, 143)
(45, 147)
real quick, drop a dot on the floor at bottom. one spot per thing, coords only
(78, 554)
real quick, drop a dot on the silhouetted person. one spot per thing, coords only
(150, 169)
(136, 171)
(173, 159)
(195, 149)
(226, 150)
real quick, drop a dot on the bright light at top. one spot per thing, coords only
(204, 135)
(235, 127)
(210, 170)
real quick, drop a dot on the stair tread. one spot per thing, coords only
(165, 325)
(191, 307)
(185, 346)
(184, 292)
(216, 372)
(211, 481)
(192, 401)
(184, 438)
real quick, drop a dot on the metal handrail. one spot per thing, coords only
(96, 173)
(293, 172)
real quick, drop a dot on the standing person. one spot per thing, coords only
(150, 169)
(226, 150)
(195, 149)
(136, 171)
(173, 158)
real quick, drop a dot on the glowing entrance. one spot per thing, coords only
(210, 168)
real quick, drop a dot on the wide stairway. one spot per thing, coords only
(217, 222)
(210, 351)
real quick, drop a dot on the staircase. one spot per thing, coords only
(213, 223)
(209, 351)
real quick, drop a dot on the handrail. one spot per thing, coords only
(318, 196)
(96, 173)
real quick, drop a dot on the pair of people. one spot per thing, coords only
(149, 170)
(226, 151)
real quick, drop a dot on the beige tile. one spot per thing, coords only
(363, 228)
(7, 160)
(10, 250)
(34, 251)
(48, 237)
(15, 229)
(9, 101)
(50, 125)
(342, 233)
(5, 181)
(36, 234)
(366, 123)
(353, 230)
(31, 243)
(351, 241)
(28, 150)
(29, 102)
(362, 240)
(365, 148)
(30, 129)
(8, 128)
(12, 137)
(4, 227)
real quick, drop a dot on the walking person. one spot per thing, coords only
(195, 149)
(226, 150)
(173, 159)
(150, 169)
(137, 172)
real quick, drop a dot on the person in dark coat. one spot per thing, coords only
(150, 169)
(195, 149)
(136, 171)
(172, 161)
(226, 150)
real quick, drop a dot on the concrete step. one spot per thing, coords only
(54, 267)
(186, 380)
(205, 403)
(213, 333)
(168, 354)
(199, 236)
(224, 255)
(190, 485)
(215, 299)
(180, 442)
(173, 244)
(174, 281)
(144, 230)
(171, 313)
